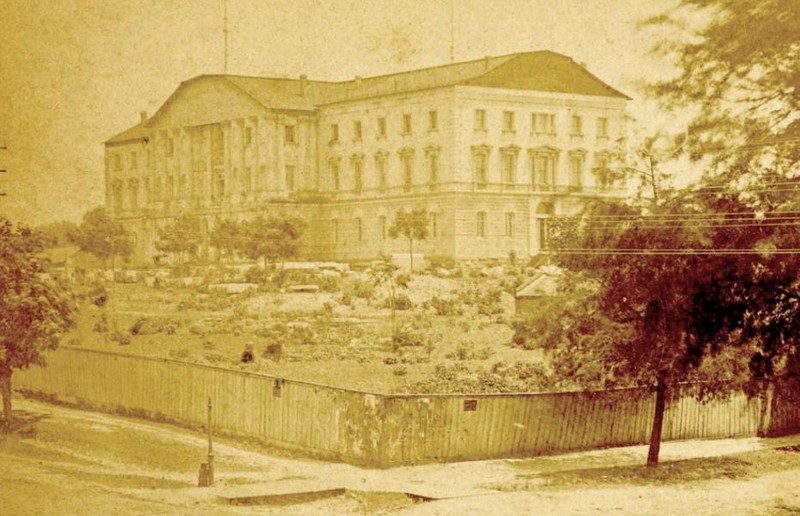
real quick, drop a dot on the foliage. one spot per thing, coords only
(34, 312)
(226, 236)
(500, 377)
(102, 236)
(57, 234)
(271, 238)
(182, 237)
(413, 226)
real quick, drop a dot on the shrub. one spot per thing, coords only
(120, 338)
(400, 370)
(357, 288)
(407, 337)
(101, 326)
(390, 360)
(448, 307)
(330, 283)
(254, 274)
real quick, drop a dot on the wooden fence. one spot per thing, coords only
(384, 430)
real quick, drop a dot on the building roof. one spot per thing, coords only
(137, 132)
(544, 71)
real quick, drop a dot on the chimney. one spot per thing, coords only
(486, 62)
(143, 116)
(303, 84)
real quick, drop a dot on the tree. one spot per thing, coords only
(227, 237)
(57, 234)
(385, 271)
(739, 73)
(412, 226)
(34, 312)
(271, 238)
(181, 237)
(102, 236)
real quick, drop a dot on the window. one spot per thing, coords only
(357, 131)
(576, 126)
(480, 120)
(247, 180)
(358, 180)
(381, 127)
(382, 226)
(543, 123)
(133, 186)
(508, 121)
(198, 149)
(117, 189)
(117, 162)
(602, 127)
(248, 136)
(576, 163)
(541, 230)
(217, 145)
(289, 177)
(480, 223)
(433, 121)
(170, 187)
(434, 225)
(604, 176)
(134, 160)
(183, 186)
(359, 234)
(406, 123)
(170, 147)
(334, 170)
(509, 166)
(433, 168)
(289, 134)
(509, 224)
(406, 159)
(334, 133)
(335, 231)
(544, 163)
(480, 166)
(380, 169)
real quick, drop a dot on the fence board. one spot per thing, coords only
(383, 430)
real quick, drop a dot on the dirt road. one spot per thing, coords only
(65, 461)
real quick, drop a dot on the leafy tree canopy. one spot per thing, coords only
(34, 312)
(411, 225)
(102, 236)
(181, 237)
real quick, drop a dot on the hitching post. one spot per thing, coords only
(210, 448)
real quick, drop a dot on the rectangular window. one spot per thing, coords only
(481, 165)
(359, 234)
(480, 120)
(543, 123)
(433, 121)
(289, 177)
(380, 168)
(544, 170)
(183, 186)
(433, 168)
(357, 131)
(117, 162)
(576, 170)
(508, 121)
(170, 149)
(510, 224)
(381, 127)
(602, 127)
(134, 160)
(289, 134)
(334, 166)
(217, 145)
(480, 223)
(133, 185)
(334, 133)
(576, 126)
(406, 123)
(358, 180)
(509, 168)
(382, 226)
(248, 136)
(335, 231)
(541, 229)
(408, 172)
(434, 225)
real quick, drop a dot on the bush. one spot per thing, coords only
(254, 274)
(357, 288)
(153, 326)
(123, 339)
(407, 337)
(390, 360)
(448, 307)
(330, 283)
(400, 370)
(101, 326)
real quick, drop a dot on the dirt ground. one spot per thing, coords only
(65, 461)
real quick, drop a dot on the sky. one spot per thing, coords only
(74, 73)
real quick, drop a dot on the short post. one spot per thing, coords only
(210, 448)
(206, 475)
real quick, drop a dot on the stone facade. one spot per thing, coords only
(489, 148)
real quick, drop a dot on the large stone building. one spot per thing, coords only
(490, 148)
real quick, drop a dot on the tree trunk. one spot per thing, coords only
(658, 423)
(5, 390)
